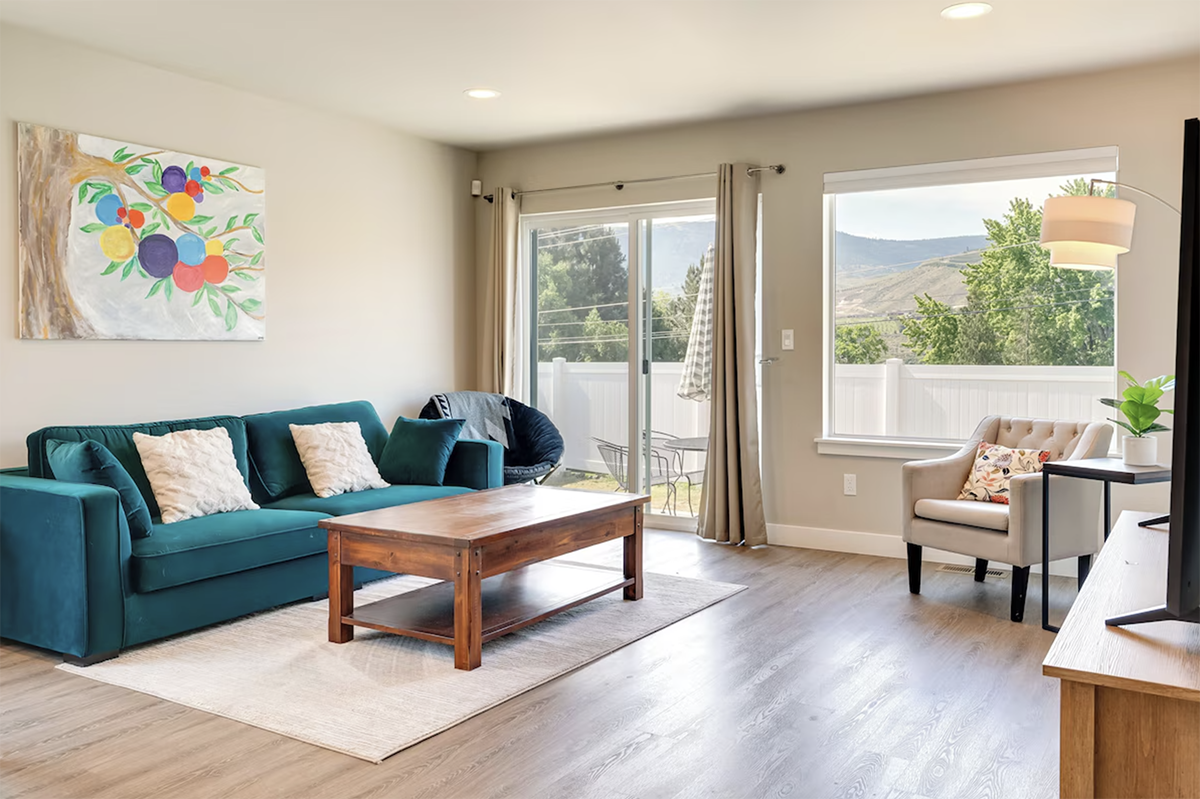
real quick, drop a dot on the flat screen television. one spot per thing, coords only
(1183, 560)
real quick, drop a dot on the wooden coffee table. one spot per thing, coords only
(491, 550)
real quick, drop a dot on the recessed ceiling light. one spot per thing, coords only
(966, 10)
(482, 94)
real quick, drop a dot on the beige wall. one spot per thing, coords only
(1141, 110)
(370, 247)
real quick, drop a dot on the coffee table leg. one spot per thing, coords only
(468, 610)
(341, 592)
(633, 557)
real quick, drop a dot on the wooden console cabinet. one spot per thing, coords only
(1130, 697)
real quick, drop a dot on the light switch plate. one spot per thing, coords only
(789, 340)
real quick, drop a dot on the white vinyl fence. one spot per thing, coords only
(588, 400)
(947, 402)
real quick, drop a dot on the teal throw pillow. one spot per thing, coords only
(91, 462)
(418, 450)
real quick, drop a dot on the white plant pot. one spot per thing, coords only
(1140, 451)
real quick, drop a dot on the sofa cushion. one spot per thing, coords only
(224, 543)
(277, 470)
(418, 450)
(118, 439)
(91, 462)
(360, 501)
(988, 515)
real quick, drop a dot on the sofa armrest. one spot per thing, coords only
(1075, 527)
(475, 464)
(64, 565)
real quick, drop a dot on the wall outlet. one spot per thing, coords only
(789, 340)
(850, 485)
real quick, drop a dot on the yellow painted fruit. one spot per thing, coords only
(116, 242)
(181, 206)
(213, 247)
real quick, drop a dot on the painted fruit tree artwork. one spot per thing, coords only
(125, 241)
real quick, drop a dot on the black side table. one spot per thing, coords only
(1109, 470)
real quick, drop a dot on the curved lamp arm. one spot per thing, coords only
(1094, 181)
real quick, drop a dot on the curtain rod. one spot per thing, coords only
(778, 169)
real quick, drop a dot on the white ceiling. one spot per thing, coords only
(577, 67)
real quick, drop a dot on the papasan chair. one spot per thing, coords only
(533, 447)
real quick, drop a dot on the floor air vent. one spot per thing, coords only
(954, 567)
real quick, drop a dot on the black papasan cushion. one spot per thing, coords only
(535, 446)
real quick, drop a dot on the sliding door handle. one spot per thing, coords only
(767, 361)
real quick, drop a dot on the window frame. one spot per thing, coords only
(943, 173)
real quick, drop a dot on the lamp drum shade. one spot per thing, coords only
(1087, 232)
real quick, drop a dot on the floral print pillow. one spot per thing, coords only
(994, 466)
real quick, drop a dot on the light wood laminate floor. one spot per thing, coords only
(825, 679)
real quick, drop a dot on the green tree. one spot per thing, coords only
(1020, 309)
(858, 344)
(582, 284)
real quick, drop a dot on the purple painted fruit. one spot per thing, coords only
(174, 179)
(158, 255)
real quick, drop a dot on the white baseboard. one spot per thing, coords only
(882, 546)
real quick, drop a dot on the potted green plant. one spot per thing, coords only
(1139, 406)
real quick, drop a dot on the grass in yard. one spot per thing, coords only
(591, 481)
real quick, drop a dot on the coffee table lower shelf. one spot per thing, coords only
(511, 600)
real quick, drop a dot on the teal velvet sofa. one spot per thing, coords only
(73, 581)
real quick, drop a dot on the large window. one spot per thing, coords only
(943, 308)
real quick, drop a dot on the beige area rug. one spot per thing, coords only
(381, 693)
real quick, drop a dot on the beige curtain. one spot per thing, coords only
(498, 336)
(731, 499)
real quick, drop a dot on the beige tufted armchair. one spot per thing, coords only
(935, 517)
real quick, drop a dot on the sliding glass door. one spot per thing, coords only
(614, 296)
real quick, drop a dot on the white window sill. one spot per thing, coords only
(885, 448)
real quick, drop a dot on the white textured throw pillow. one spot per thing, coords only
(336, 458)
(193, 473)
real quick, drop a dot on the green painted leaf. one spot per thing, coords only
(208, 234)
(156, 170)
(199, 296)
(230, 289)
(211, 187)
(101, 189)
(83, 187)
(93, 227)
(167, 290)
(257, 257)
(187, 171)
(227, 183)
(128, 270)
(158, 284)
(229, 225)
(142, 273)
(145, 208)
(248, 218)
(251, 305)
(231, 316)
(229, 170)
(214, 305)
(134, 169)
(200, 220)
(120, 155)
(257, 235)
(230, 242)
(112, 267)
(246, 276)
(156, 188)
(150, 229)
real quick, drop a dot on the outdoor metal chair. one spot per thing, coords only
(616, 460)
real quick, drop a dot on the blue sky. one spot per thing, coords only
(935, 211)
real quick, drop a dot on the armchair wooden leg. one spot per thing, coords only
(980, 569)
(914, 569)
(1020, 586)
(1085, 567)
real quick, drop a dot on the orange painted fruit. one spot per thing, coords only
(216, 269)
